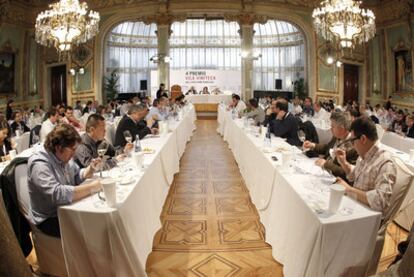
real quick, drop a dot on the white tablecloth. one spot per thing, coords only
(209, 98)
(101, 241)
(305, 242)
(398, 142)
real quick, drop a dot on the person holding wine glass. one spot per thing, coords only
(54, 179)
(340, 139)
(134, 123)
(94, 145)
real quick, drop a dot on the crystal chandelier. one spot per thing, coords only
(66, 23)
(344, 21)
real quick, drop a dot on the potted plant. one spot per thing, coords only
(300, 88)
(111, 85)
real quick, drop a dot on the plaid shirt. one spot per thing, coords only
(375, 174)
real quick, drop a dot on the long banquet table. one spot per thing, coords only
(209, 98)
(306, 240)
(102, 241)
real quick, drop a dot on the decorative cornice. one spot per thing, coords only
(246, 18)
(163, 18)
(4, 8)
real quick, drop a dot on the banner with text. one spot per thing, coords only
(226, 81)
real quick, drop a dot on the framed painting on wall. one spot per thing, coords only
(403, 71)
(7, 70)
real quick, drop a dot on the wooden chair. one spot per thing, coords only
(12, 259)
(403, 182)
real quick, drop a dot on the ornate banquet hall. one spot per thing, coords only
(206, 138)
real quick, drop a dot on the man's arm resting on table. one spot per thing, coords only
(84, 190)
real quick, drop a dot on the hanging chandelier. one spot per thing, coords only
(344, 22)
(66, 23)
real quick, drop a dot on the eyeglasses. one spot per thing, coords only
(352, 140)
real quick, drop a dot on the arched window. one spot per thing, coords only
(129, 47)
(205, 44)
(281, 45)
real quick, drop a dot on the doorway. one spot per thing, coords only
(58, 84)
(351, 80)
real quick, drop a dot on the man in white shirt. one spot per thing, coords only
(159, 112)
(237, 104)
(49, 124)
(320, 112)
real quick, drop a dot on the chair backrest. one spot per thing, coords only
(380, 131)
(24, 142)
(22, 190)
(110, 133)
(34, 131)
(11, 255)
(404, 180)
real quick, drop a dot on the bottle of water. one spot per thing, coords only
(267, 143)
(137, 144)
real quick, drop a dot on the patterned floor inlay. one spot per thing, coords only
(209, 225)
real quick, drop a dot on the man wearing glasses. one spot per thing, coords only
(55, 179)
(374, 174)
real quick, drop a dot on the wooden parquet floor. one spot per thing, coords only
(209, 225)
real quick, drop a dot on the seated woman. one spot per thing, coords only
(205, 91)
(18, 124)
(5, 145)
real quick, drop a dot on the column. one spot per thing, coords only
(247, 33)
(163, 34)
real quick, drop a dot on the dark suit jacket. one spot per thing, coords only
(410, 132)
(14, 126)
(286, 128)
(333, 164)
(127, 123)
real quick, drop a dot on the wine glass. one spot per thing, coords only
(102, 148)
(128, 136)
(301, 136)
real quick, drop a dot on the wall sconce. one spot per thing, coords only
(79, 71)
(250, 55)
(159, 58)
(332, 55)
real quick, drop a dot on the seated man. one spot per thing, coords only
(320, 112)
(398, 125)
(340, 135)
(374, 174)
(159, 111)
(237, 105)
(270, 113)
(55, 179)
(134, 123)
(87, 151)
(307, 107)
(285, 125)
(18, 123)
(49, 124)
(255, 112)
(192, 90)
(70, 119)
(410, 123)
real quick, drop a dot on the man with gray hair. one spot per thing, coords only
(134, 123)
(340, 139)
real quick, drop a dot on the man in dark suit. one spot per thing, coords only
(285, 125)
(410, 126)
(134, 122)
